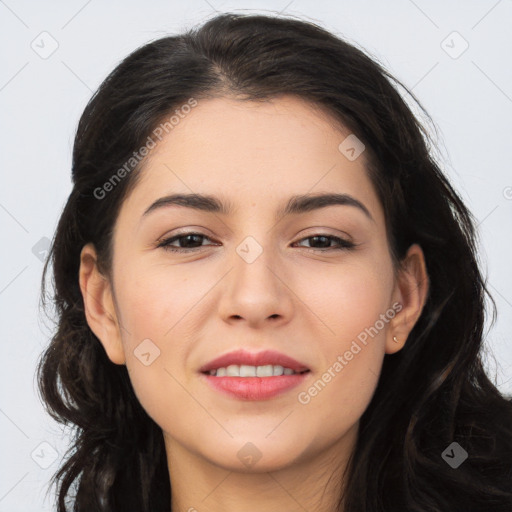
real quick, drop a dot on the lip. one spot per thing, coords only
(255, 388)
(263, 358)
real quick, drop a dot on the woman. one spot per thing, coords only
(255, 372)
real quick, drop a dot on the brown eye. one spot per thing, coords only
(325, 240)
(189, 242)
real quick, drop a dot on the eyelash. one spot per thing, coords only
(343, 244)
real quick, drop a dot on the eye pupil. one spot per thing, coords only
(324, 238)
(188, 237)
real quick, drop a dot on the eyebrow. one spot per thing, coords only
(296, 204)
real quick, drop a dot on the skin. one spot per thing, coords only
(306, 303)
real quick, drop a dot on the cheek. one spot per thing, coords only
(350, 298)
(333, 403)
(154, 300)
(153, 306)
(354, 305)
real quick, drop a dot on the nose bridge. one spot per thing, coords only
(256, 290)
(256, 249)
(257, 264)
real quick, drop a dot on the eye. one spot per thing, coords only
(327, 239)
(193, 241)
(190, 240)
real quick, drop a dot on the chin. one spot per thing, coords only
(253, 456)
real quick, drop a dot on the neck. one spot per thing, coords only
(312, 484)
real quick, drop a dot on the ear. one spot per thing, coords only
(99, 305)
(409, 296)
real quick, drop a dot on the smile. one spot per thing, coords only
(245, 370)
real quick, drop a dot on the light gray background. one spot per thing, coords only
(468, 94)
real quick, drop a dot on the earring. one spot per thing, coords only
(394, 339)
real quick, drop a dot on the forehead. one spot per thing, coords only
(253, 152)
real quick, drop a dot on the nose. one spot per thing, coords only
(257, 292)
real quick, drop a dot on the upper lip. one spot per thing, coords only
(263, 358)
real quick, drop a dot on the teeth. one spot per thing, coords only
(244, 370)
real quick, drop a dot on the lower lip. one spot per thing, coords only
(255, 388)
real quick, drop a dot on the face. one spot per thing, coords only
(317, 285)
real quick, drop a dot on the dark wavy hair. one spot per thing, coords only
(430, 394)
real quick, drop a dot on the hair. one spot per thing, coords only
(430, 394)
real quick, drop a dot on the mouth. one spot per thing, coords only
(244, 371)
(254, 376)
(241, 363)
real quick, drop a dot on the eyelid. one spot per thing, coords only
(320, 231)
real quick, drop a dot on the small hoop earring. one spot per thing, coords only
(394, 339)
